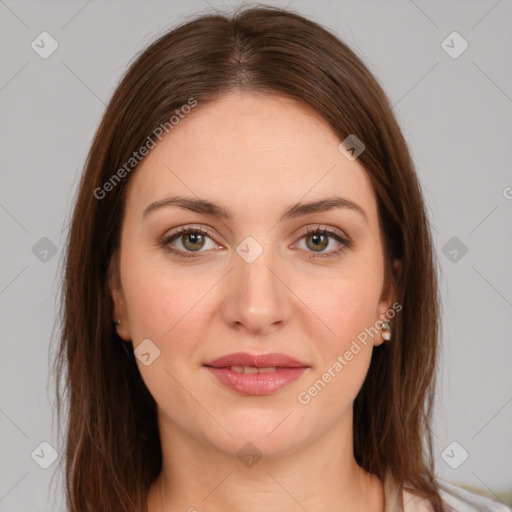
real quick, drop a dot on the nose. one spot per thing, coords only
(256, 297)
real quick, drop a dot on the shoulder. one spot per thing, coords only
(459, 499)
(466, 501)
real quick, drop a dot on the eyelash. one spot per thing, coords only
(345, 244)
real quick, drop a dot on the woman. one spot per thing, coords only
(250, 307)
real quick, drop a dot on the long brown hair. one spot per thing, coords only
(112, 449)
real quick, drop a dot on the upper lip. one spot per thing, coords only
(256, 360)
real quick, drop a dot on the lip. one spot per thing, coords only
(287, 370)
(256, 360)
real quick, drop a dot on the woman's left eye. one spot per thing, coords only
(318, 238)
(192, 240)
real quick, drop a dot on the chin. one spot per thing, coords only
(262, 432)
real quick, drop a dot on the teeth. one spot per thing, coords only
(252, 369)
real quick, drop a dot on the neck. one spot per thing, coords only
(321, 476)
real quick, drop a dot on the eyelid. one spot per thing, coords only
(323, 227)
(173, 235)
(200, 228)
(330, 231)
(299, 233)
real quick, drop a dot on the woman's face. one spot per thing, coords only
(254, 281)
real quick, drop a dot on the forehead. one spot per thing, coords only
(251, 151)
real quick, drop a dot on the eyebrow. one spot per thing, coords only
(206, 207)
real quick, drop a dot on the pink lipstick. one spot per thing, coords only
(254, 375)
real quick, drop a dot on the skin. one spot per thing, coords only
(255, 154)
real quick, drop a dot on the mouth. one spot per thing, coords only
(254, 375)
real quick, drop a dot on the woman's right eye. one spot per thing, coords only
(192, 240)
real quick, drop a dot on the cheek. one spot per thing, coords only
(157, 292)
(161, 301)
(345, 305)
(166, 308)
(343, 357)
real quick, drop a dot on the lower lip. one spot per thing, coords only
(255, 384)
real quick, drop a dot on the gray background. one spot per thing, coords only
(456, 114)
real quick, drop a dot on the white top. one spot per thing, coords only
(460, 499)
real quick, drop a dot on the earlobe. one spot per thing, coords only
(120, 318)
(387, 303)
(119, 310)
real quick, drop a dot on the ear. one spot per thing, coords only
(119, 310)
(388, 297)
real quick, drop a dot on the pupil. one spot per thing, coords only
(195, 238)
(317, 241)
